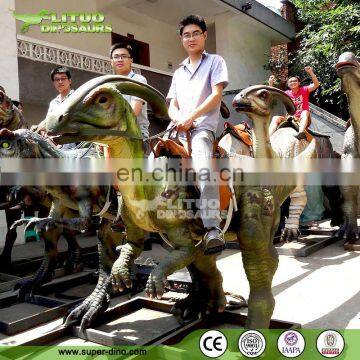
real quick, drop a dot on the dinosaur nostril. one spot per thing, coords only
(61, 117)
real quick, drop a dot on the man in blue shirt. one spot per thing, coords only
(195, 97)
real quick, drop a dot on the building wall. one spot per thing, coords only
(8, 58)
(245, 49)
(37, 90)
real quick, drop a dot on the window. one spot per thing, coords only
(140, 49)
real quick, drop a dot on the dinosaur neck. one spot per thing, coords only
(132, 154)
(261, 140)
(354, 107)
(48, 149)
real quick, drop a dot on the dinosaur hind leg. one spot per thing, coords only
(297, 204)
(73, 262)
(99, 299)
(48, 265)
(206, 294)
(260, 258)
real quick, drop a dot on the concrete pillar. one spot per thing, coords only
(9, 76)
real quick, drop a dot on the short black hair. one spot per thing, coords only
(122, 45)
(60, 70)
(192, 20)
(17, 103)
(296, 77)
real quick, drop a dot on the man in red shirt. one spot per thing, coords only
(300, 97)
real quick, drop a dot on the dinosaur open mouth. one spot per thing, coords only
(241, 107)
(345, 64)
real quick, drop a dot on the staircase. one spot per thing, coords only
(328, 124)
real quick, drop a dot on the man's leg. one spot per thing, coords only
(303, 124)
(275, 121)
(202, 151)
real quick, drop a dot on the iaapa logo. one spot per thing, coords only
(291, 343)
(72, 22)
(330, 343)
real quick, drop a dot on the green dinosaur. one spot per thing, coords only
(10, 117)
(68, 203)
(348, 69)
(98, 112)
(31, 19)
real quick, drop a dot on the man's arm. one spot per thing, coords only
(174, 112)
(315, 82)
(137, 106)
(211, 102)
(272, 80)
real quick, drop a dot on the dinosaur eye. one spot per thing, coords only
(263, 95)
(102, 99)
(5, 145)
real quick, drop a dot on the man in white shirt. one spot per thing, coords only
(121, 55)
(61, 78)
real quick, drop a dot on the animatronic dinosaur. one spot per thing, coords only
(68, 203)
(286, 145)
(10, 117)
(98, 112)
(348, 69)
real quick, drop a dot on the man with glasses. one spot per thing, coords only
(61, 78)
(121, 55)
(195, 97)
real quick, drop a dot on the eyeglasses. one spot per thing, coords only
(121, 57)
(194, 35)
(60, 79)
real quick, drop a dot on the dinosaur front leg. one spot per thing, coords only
(256, 228)
(129, 252)
(298, 202)
(99, 299)
(349, 230)
(183, 255)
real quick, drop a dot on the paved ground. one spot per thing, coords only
(319, 291)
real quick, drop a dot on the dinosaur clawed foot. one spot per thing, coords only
(289, 234)
(199, 303)
(27, 287)
(348, 232)
(73, 264)
(94, 305)
(39, 224)
(155, 286)
(120, 277)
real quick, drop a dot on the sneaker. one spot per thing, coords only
(300, 136)
(213, 241)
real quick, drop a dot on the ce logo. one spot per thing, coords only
(213, 343)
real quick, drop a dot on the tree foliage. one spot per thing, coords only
(331, 28)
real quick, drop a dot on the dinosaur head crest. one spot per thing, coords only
(348, 69)
(100, 105)
(258, 100)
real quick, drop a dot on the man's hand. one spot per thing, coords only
(272, 80)
(186, 123)
(308, 69)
